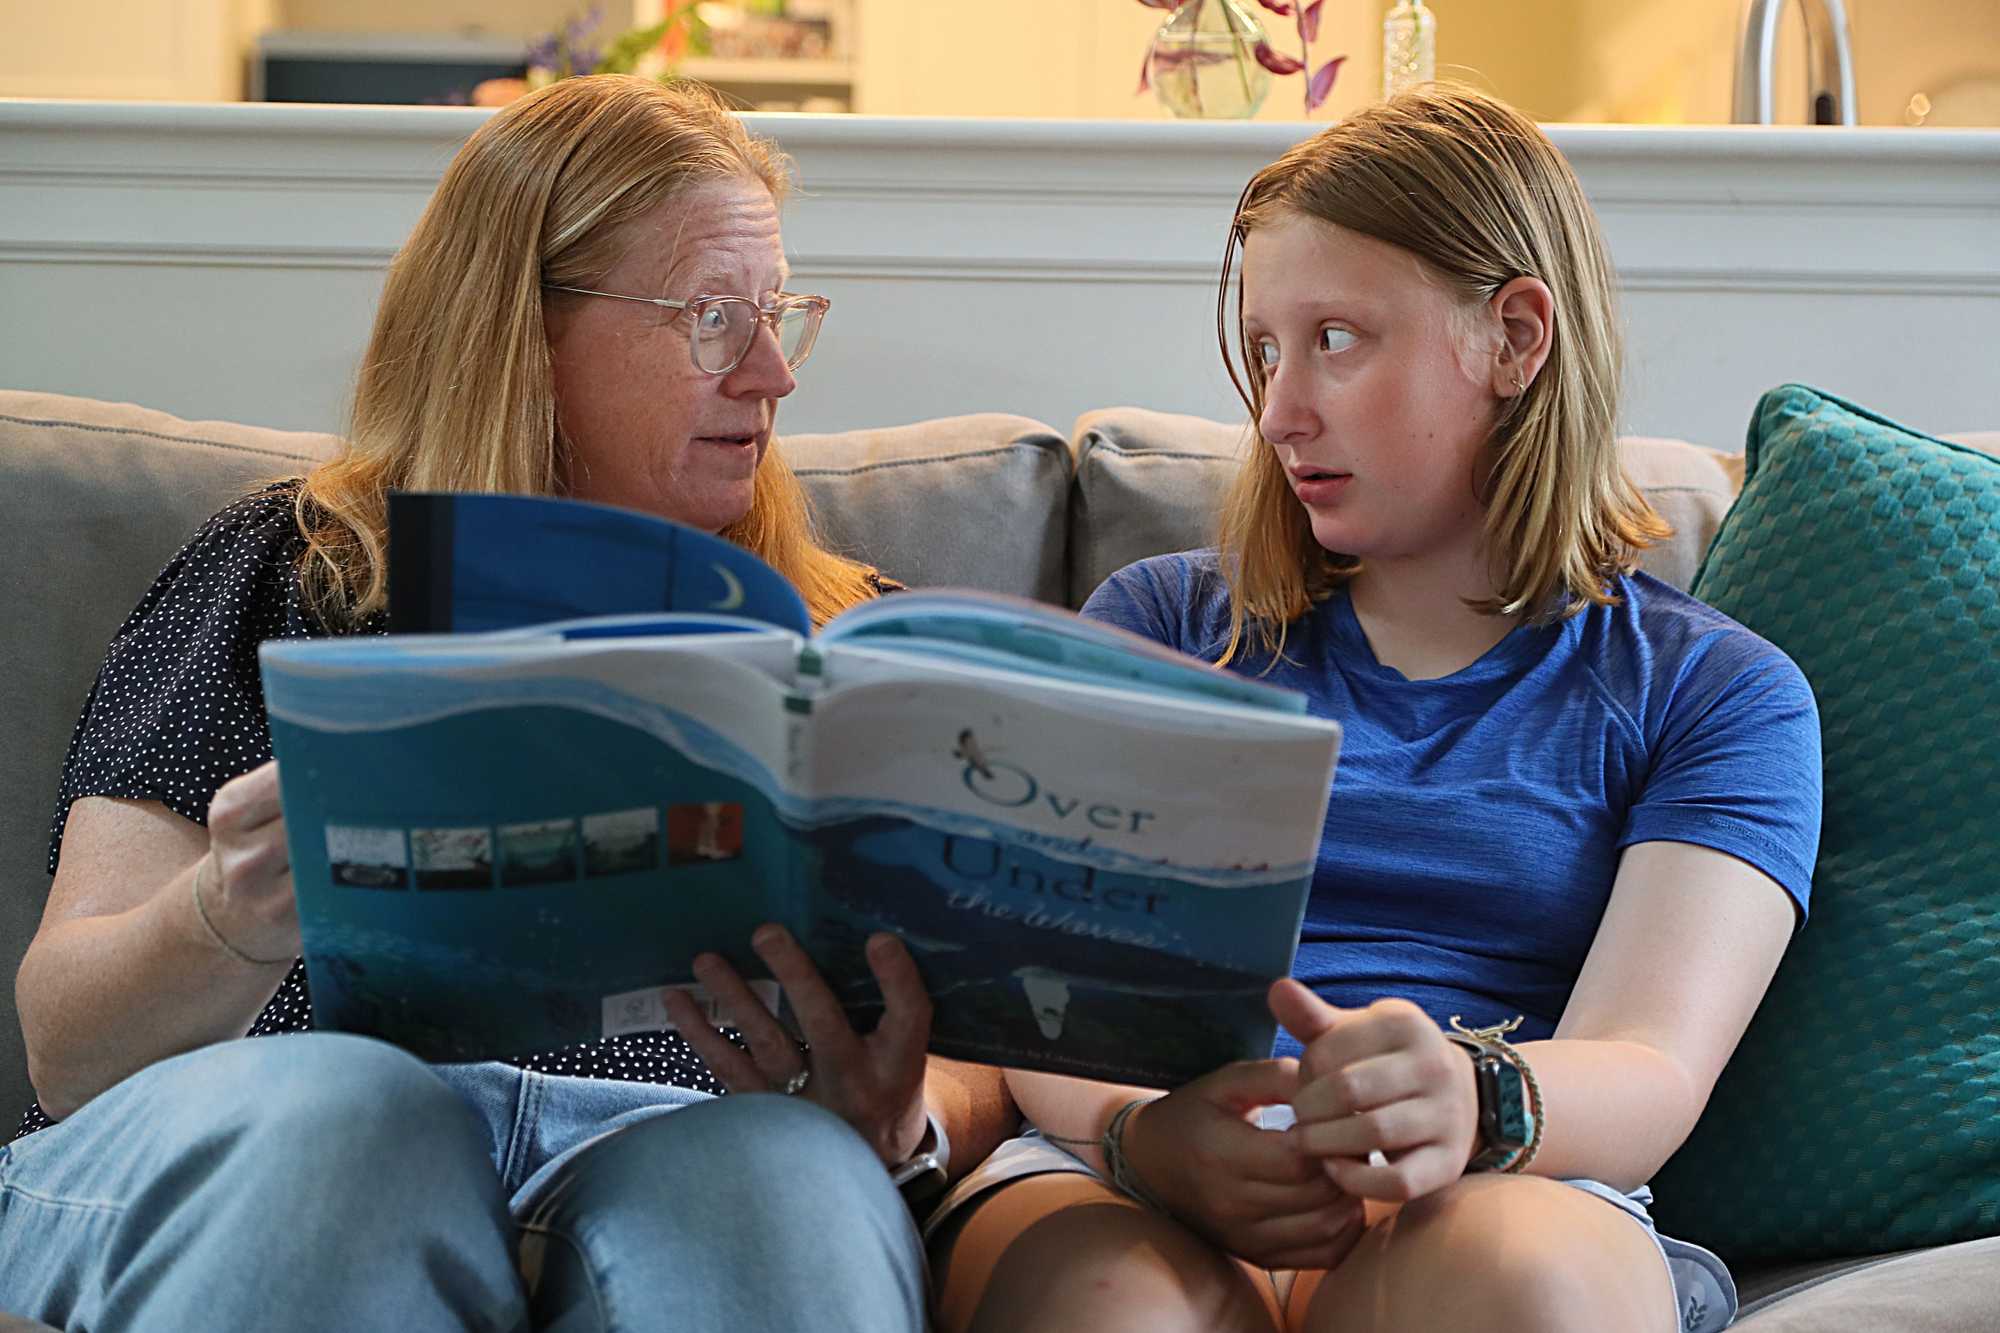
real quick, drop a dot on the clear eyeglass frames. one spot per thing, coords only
(725, 327)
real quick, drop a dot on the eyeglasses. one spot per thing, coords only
(725, 327)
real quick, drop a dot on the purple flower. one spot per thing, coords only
(1309, 22)
(1276, 61)
(1322, 83)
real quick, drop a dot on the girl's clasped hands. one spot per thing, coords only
(1386, 1113)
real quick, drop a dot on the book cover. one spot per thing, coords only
(507, 841)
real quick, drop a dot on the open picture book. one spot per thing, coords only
(598, 744)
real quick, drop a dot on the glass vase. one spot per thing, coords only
(1409, 47)
(1204, 61)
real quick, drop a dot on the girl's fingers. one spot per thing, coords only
(1307, 1196)
(1401, 1178)
(1303, 1239)
(1361, 1086)
(1384, 1027)
(1391, 1129)
(1267, 1157)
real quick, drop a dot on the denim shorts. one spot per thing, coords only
(1704, 1293)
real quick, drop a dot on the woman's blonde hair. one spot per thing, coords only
(1477, 193)
(456, 389)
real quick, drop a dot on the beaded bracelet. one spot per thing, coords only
(1493, 1040)
(1519, 1161)
(1112, 1144)
(1122, 1174)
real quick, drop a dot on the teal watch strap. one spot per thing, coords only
(1509, 1107)
(1504, 1127)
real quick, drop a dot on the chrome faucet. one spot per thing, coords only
(1829, 62)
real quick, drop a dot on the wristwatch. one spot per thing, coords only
(1504, 1131)
(921, 1177)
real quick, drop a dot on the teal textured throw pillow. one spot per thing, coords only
(1862, 1111)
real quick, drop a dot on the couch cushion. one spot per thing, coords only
(973, 501)
(94, 497)
(1950, 1289)
(1859, 1114)
(1691, 487)
(1148, 482)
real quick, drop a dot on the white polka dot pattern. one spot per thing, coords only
(177, 710)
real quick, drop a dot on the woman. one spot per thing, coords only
(1573, 805)
(592, 305)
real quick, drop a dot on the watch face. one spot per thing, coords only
(1503, 1110)
(924, 1191)
(1510, 1103)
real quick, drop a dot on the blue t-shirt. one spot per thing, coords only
(1476, 821)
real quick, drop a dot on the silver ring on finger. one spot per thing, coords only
(796, 1084)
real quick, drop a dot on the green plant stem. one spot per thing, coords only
(1306, 60)
(1243, 54)
(1194, 66)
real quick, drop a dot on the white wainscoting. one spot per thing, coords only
(223, 260)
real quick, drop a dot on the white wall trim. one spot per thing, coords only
(271, 224)
(862, 268)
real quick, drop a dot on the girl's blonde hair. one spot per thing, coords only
(1477, 193)
(456, 390)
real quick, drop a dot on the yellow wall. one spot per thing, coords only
(1564, 60)
(1069, 58)
(1620, 60)
(1674, 61)
(164, 50)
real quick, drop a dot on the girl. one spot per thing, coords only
(1572, 831)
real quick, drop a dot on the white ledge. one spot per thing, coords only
(1758, 142)
(222, 259)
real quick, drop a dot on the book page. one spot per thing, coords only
(1093, 881)
(501, 845)
(1054, 643)
(868, 662)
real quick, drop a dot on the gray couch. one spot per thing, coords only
(95, 496)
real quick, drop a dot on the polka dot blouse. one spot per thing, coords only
(177, 710)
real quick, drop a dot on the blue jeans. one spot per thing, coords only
(319, 1181)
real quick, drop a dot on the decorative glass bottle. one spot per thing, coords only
(1204, 61)
(1409, 46)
